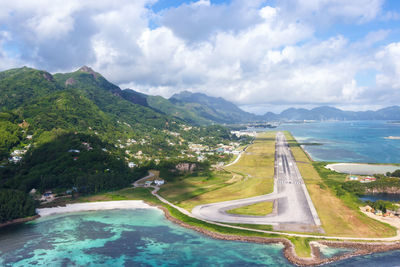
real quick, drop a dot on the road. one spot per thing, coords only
(281, 177)
(293, 204)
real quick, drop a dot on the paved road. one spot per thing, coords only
(293, 203)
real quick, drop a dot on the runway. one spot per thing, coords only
(292, 203)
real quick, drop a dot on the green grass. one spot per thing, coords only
(258, 209)
(263, 227)
(302, 246)
(251, 176)
(337, 209)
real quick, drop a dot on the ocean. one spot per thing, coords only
(348, 141)
(141, 237)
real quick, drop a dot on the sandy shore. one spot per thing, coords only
(361, 168)
(92, 206)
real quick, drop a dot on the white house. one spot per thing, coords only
(15, 159)
(159, 182)
(131, 165)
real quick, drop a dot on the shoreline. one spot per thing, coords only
(360, 248)
(19, 221)
(94, 206)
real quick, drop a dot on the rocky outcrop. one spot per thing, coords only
(186, 167)
(48, 76)
(70, 81)
(386, 190)
(18, 221)
(87, 69)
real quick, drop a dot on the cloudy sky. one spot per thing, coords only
(262, 55)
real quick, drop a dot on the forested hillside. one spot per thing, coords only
(79, 131)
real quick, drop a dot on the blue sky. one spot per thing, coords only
(262, 55)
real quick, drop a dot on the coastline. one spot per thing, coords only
(94, 206)
(360, 248)
(19, 220)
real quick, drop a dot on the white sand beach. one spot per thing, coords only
(362, 169)
(90, 206)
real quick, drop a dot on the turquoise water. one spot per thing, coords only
(138, 238)
(356, 141)
(125, 238)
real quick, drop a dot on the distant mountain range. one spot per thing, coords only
(330, 113)
(22, 90)
(198, 108)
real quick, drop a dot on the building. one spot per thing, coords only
(147, 183)
(131, 165)
(159, 182)
(74, 151)
(353, 178)
(15, 159)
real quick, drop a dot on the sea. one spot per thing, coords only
(143, 237)
(348, 141)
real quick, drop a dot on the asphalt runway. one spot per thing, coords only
(292, 203)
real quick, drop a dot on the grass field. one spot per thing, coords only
(252, 175)
(258, 209)
(339, 215)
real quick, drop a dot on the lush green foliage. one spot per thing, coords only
(380, 184)
(382, 205)
(52, 165)
(396, 173)
(15, 204)
(49, 115)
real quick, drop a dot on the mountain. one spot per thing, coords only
(47, 115)
(193, 108)
(330, 113)
(78, 131)
(215, 109)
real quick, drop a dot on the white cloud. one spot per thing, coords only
(388, 79)
(329, 11)
(244, 51)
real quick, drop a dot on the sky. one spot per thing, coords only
(262, 55)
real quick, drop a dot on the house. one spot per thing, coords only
(15, 159)
(369, 179)
(131, 165)
(159, 182)
(18, 152)
(33, 191)
(148, 183)
(353, 178)
(48, 196)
